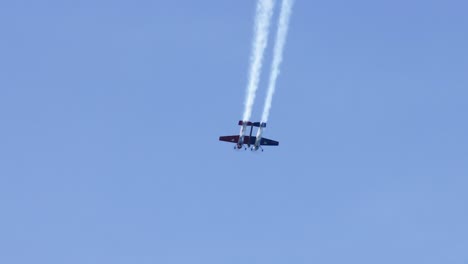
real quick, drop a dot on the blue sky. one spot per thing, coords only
(111, 111)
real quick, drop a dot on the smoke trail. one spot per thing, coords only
(285, 13)
(262, 24)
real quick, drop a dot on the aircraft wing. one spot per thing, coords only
(235, 139)
(268, 142)
(232, 139)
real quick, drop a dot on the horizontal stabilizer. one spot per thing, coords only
(255, 124)
(248, 123)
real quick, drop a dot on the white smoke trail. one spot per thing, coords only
(285, 13)
(262, 24)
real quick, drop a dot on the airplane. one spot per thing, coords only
(256, 142)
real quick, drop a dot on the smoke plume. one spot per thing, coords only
(281, 34)
(262, 23)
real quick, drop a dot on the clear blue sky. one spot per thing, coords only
(110, 113)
